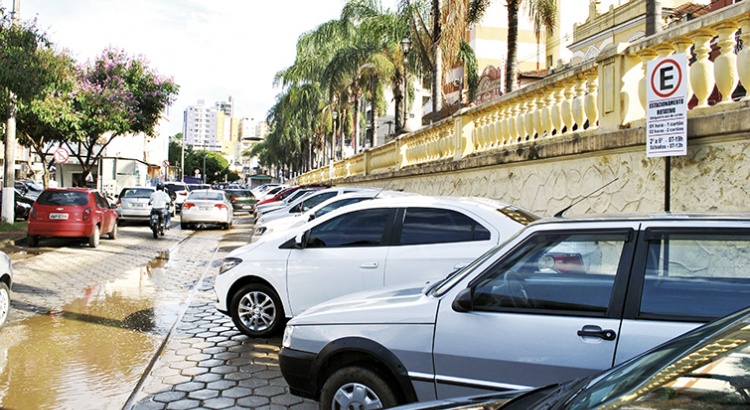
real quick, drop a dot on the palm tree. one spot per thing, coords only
(541, 12)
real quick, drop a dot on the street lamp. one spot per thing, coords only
(405, 47)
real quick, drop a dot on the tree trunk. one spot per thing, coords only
(437, 53)
(511, 65)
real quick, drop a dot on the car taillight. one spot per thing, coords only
(188, 205)
(86, 214)
(32, 214)
(220, 206)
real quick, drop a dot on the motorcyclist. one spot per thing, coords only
(161, 200)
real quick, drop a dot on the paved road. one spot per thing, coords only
(199, 360)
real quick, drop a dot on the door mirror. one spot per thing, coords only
(463, 302)
(301, 239)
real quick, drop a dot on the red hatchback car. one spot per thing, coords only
(71, 213)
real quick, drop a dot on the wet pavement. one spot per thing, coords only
(148, 337)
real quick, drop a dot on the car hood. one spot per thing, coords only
(403, 304)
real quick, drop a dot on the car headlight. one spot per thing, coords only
(229, 263)
(286, 341)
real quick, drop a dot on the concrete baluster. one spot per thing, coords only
(541, 104)
(579, 116)
(511, 122)
(743, 58)
(529, 118)
(556, 109)
(521, 121)
(646, 56)
(701, 72)
(479, 131)
(725, 65)
(682, 45)
(501, 127)
(567, 105)
(591, 104)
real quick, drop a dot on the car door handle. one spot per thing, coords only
(596, 331)
(369, 265)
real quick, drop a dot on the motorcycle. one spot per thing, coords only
(157, 222)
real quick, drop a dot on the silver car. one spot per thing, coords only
(565, 298)
(132, 203)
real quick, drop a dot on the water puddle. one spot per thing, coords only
(91, 352)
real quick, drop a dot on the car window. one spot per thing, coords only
(63, 198)
(311, 203)
(683, 268)
(137, 193)
(100, 200)
(431, 225)
(336, 205)
(560, 272)
(360, 228)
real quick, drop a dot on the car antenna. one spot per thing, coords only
(383, 188)
(560, 214)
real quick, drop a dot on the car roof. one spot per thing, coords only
(631, 217)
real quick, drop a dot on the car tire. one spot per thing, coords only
(4, 303)
(94, 238)
(357, 387)
(256, 310)
(183, 226)
(113, 233)
(32, 240)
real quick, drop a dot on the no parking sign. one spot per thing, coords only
(666, 114)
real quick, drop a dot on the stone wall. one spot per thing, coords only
(547, 176)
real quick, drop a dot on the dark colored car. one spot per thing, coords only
(179, 191)
(22, 205)
(72, 213)
(242, 199)
(706, 368)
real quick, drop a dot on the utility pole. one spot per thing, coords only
(8, 207)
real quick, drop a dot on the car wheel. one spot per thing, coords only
(113, 233)
(94, 238)
(256, 310)
(32, 240)
(356, 387)
(4, 303)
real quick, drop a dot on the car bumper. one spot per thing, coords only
(204, 217)
(298, 370)
(69, 230)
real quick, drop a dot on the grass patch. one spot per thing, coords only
(16, 226)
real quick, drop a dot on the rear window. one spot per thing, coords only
(206, 195)
(173, 187)
(136, 193)
(63, 198)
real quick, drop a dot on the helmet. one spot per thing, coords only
(160, 186)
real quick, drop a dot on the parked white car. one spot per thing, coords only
(6, 282)
(307, 202)
(263, 229)
(362, 246)
(207, 207)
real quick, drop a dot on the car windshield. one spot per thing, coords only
(63, 198)
(137, 193)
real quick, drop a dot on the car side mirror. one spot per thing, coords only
(312, 216)
(464, 301)
(301, 240)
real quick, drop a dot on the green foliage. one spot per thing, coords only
(20, 69)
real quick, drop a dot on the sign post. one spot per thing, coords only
(666, 113)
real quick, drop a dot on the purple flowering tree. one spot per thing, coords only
(117, 95)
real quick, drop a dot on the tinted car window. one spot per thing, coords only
(308, 204)
(361, 228)
(100, 200)
(685, 267)
(564, 272)
(336, 205)
(429, 225)
(63, 198)
(136, 193)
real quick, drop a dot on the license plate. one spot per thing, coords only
(138, 205)
(58, 216)
(204, 208)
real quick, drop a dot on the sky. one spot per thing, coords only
(212, 49)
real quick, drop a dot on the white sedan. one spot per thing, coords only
(206, 207)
